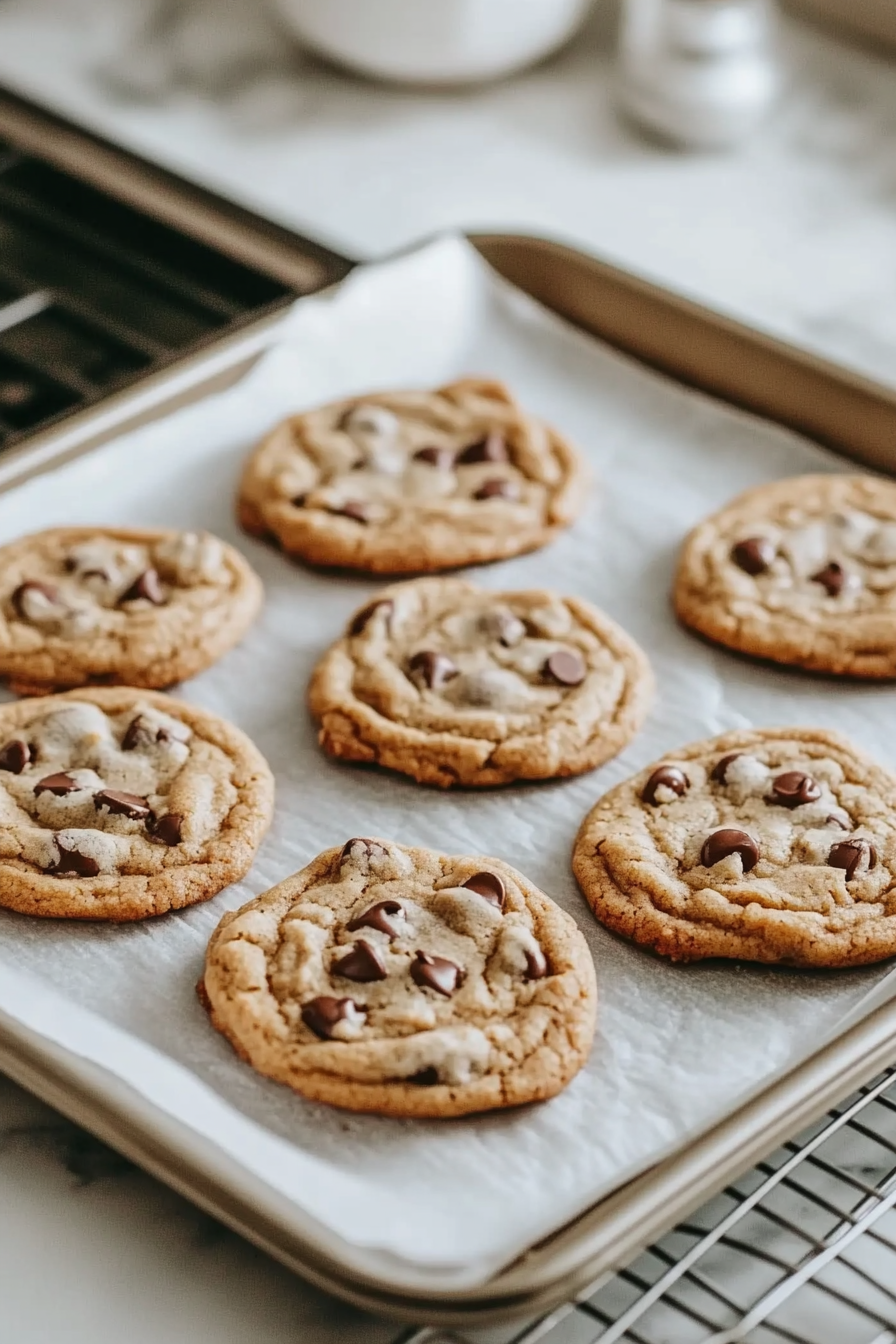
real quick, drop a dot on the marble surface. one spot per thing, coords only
(796, 233)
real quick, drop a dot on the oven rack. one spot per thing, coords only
(800, 1250)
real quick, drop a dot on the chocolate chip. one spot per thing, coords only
(59, 785)
(440, 458)
(566, 667)
(720, 770)
(849, 854)
(489, 886)
(753, 555)
(436, 973)
(431, 669)
(665, 777)
(122, 804)
(71, 861)
(832, 578)
(362, 620)
(425, 1078)
(363, 963)
(45, 589)
(356, 509)
(536, 964)
(386, 916)
(372, 848)
(323, 1015)
(721, 844)
(836, 821)
(497, 488)
(167, 829)
(15, 756)
(298, 501)
(146, 587)
(794, 788)
(140, 733)
(490, 449)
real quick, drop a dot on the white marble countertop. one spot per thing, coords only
(797, 233)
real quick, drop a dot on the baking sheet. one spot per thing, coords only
(678, 1046)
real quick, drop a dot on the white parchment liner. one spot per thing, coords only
(678, 1046)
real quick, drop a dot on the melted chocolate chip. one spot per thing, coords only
(122, 804)
(140, 733)
(146, 587)
(362, 963)
(850, 854)
(721, 844)
(356, 509)
(566, 667)
(386, 916)
(362, 620)
(490, 449)
(794, 788)
(753, 555)
(45, 589)
(167, 829)
(298, 501)
(71, 861)
(15, 756)
(720, 770)
(436, 973)
(432, 669)
(372, 848)
(536, 964)
(323, 1015)
(489, 886)
(497, 487)
(440, 458)
(832, 578)
(425, 1078)
(665, 777)
(59, 785)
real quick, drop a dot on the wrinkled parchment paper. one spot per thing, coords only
(677, 1046)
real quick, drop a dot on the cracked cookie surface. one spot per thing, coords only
(454, 684)
(405, 982)
(802, 571)
(772, 845)
(117, 804)
(412, 482)
(137, 607)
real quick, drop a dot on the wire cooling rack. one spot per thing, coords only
(800, 1250)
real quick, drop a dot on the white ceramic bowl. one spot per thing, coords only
(434, 41)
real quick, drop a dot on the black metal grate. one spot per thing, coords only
(94, 294)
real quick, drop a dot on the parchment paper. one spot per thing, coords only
(678, 1046)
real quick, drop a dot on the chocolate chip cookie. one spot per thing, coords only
(802, 572)
(120, 606)
(773, 845)
(412, 482)
(405, 982)
(117, 804)
(452, 684)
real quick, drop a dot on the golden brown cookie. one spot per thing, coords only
(453, 684)
(412, 482)
(121, 606)
(117, 804)
(773, 845)
(406, 982)
(802, 571)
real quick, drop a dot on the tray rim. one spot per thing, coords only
(694, 345)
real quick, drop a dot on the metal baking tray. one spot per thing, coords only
(703, 349)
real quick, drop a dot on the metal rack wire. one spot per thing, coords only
(800, 1250)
